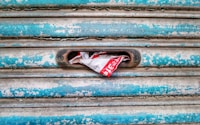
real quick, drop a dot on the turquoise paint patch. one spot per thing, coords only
(49, 2)
(145, 118)
(25, 61)
(180, 3)
(171, 3)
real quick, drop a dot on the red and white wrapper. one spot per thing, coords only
(100, 62)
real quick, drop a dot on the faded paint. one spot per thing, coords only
(106, 28)
(72, 87)
(46, 3)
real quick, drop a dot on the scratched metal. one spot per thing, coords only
(151, 57)
(103, 13)
(108, 27)
(99, 101)
(102, 115)
(73, 87)
(148, 3)
(85, 73)
(84, 42)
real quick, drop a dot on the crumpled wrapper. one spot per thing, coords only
(100, 62)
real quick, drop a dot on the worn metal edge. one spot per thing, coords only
(85, 73)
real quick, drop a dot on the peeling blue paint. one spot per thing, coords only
(144, 118)
(166, 60)
(107, 88)
(171, 3)
(26, 61)
(98, 29)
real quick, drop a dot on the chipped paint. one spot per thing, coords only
(105, 28)
(46, 3)
(56, 87)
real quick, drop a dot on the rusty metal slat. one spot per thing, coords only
(84, 42)
(150, 57)
(61, 3)
(107, 27)
(99, 101)
(85, 73)
(73, 87)
(82, 13)
(102, 115)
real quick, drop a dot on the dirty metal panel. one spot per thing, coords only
(73, 87)
(102, 115)
(147, 3)
(108, 27)
(150, 57)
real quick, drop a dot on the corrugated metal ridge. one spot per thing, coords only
(85, 73)
(99, 101)
(86, 42)
(102, 115)
(108, 27)
(98, 87)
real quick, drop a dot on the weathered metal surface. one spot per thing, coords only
(99, 101)
(87, 13)
(148, 3)
(84, 42)
(150, 57)
(84, 73)
(73, 87)
(101, 115)
(108, 27)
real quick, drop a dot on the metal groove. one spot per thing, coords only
(82, 13)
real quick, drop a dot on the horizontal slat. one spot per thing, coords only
(151, 57)
(101, 115)
(84, 42)
(103, 13)
(84, 73)
(99, 101)
(73, 87)
(96, 27)
(156, 3)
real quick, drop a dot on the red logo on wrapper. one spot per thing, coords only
(111, 66)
